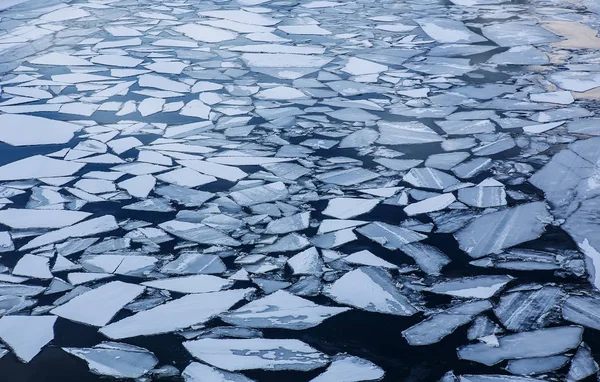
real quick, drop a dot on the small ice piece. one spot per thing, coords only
(257, 353)
(404, 133)
(198, 233)
(195, 263)
(347, 368)
(398, 164)
(162, 83)
(139, 186)
(59, 59)
(90, 227)
(232, 174)
(365, 257)
(483, 197)
(183, 195)
(27, 130)
(471, 287)
(430, 178)
(192, 309)
(98, 306)
(537, 343)
(529, 310)
(26, 335)
(575, 81)
(199, 372)
(430, 259)
(348, 177)
(436, 327)
(115, 60)
(306, 29)
(520, 55)
(12, 304)
(432, 204)
(191, 284)
(532, 366)
(446, 30)
(33, 266)
(281, 310)
(360, 138)
(582, 310)
(261, 194)
(242, 16)
(370, 289)
(472, 168)
(288, 243)
(582, 364)
(185, 177)
(289, 224)
(205, 33)
(358, 67)
(389, 236)
(116, 359)
(445, 161)
(510, 34)
(346, 208)
(466, 127)
(559, 97)
(494, 232)
(285, 60)
(38, 166)
(307, 262)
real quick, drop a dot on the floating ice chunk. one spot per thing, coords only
(438, 326)
(261, 194)
(198, 233)
(483, 197)
(205, 33)
(284, 60)
(59, 59)
(345, 208)
(445, 161)
(241, 16)
(538, 343)
(192, 309)
(404, 133)
(520, 55)
(472, 287)
(186, 196)
(186, 177)
(532, 366)
(370, 289)
(399, 164)
(430, 259)
(347, 368)
(528, 310)
(27, 130)
(365, 257)
(278, 48)
(220, 171)
(91, 227)
(291, 242)
(307, 262)
(430, 178)
(191, 284)
(281, 310)
(289, 224)
(114, 60)
(198, 263)
(26, 336)
(198, 372)
(503, 229)
(582, 364)
(360, 138)
(575, 81)
(472, 168)
(162, 83)
(139, 186)
(493, 377)
(449, 31)
(389, 236)
(348, 177)
(257, 353)
(98, 306)
(38, 166)
(516, 34)
(28, 219)
(96, 186)
(582, 310)
(307, 29)
(116, 359)
(434, 203)
(466, 128)
(33, 266)
(358, 67)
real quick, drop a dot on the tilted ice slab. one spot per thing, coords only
(192, 309)
(281, 310)
(503, 229)
(259, 353)
(27, 130)
(538, 343)
(371, 289)
(116, 359)
(98, 306)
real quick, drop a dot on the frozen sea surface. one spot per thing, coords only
(281, 190)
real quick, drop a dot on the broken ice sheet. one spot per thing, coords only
(26, 130)
(199, 372)
(503, 229)
(538, 343)
(194, 263)
(281, 310)
(115, 359)
(389, 236)
(471, 287)
(528, 310)
(403, 133)
(25, 335)
(249, 354)
(371, 289)
(192, 309)
(347, 368)
(346, 208)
